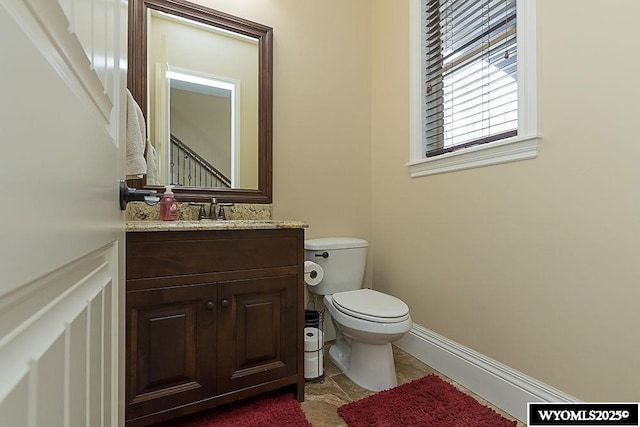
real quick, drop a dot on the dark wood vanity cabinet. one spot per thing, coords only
(212, 317)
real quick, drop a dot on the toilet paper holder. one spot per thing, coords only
(313, 346)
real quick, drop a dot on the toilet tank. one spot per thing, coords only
(343, 260)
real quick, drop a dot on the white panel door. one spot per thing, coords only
(62, 110)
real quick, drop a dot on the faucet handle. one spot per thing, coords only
(201, 210)
(221, 213)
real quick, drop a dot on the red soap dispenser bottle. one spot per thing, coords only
(168, 206)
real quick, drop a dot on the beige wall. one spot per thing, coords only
(537, 263)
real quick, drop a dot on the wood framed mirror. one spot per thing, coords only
(244, 175)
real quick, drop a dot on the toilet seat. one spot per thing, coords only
(371, 305)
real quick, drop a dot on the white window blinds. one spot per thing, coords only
(471, 89)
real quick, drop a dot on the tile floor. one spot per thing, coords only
(322, 400)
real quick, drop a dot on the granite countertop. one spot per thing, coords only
(241, 224)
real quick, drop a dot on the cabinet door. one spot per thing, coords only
(170, 347)
(257, 339)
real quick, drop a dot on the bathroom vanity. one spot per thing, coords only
(214, 314)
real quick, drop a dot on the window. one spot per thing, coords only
(473, 84)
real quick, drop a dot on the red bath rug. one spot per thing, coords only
(429, 401)
(280, 410)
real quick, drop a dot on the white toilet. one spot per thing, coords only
(366, 321)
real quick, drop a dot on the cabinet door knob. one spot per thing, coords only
(225, 303)
(210, 305)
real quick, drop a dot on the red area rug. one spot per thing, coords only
(429, 401)
(280, 410)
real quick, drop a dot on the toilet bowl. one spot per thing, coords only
(366, 321)
(363, 342)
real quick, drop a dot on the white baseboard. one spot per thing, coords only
(501, 385)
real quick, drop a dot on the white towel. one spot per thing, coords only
(153, 177)
(136, 139)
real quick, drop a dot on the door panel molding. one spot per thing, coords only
(57, 332)
(75, 60)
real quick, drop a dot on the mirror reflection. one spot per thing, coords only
(203, 80)
(203, 108)
(200, 113)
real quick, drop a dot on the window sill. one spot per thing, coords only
(510, 150)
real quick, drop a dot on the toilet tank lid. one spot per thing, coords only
(326, 243)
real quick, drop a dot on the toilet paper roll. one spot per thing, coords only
(313, 273)
(313, 339)
(313, 366)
